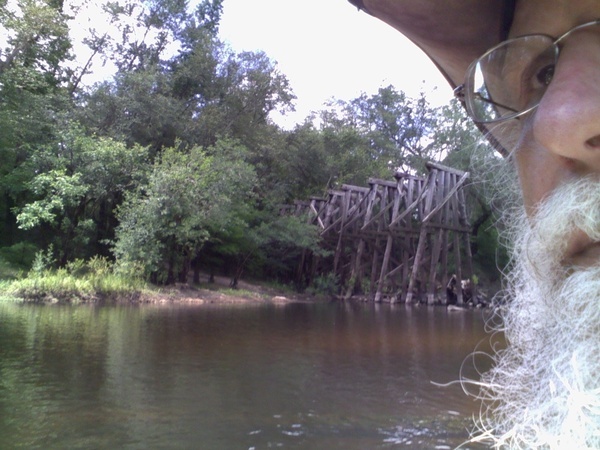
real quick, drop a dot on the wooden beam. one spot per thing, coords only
(438, 166)
(448, 196)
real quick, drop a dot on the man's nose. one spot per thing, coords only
(567, 120)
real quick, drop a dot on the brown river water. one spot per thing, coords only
(251, 377)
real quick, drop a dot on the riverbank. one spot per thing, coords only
(218, 291)
(73, 290)
(104, 287)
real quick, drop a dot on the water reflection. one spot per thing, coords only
(302, 376)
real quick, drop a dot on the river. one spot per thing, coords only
(292, 376)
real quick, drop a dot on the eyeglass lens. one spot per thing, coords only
(511, 78)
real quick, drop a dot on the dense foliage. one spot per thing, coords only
(171, 164)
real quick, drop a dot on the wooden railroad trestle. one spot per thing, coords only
(396, 240)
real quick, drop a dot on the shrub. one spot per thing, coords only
(327, 284)
(20, 255)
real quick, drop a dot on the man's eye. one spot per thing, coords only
(535, 80)
(544, 76)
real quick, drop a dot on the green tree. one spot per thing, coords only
(398, 127)
(33, 100)
(166, 221)
(196, 94)
(78, 184)
(311, 160)
(282, 241)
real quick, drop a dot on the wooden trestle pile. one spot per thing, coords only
(395, 241)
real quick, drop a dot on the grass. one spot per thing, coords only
(79, 282)
(59, 286)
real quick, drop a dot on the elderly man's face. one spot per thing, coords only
(560, 142)
(544, 390)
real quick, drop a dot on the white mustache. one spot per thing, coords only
(574, 205)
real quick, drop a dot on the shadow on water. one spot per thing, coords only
(301, 376)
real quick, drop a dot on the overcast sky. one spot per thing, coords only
(327, 48)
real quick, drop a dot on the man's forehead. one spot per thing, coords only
(552, 17)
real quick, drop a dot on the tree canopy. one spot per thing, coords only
(172, 161)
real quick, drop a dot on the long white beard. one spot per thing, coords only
(544, 388)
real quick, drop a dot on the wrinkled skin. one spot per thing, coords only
(561, 141)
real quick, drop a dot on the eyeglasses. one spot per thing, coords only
(510, 79)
